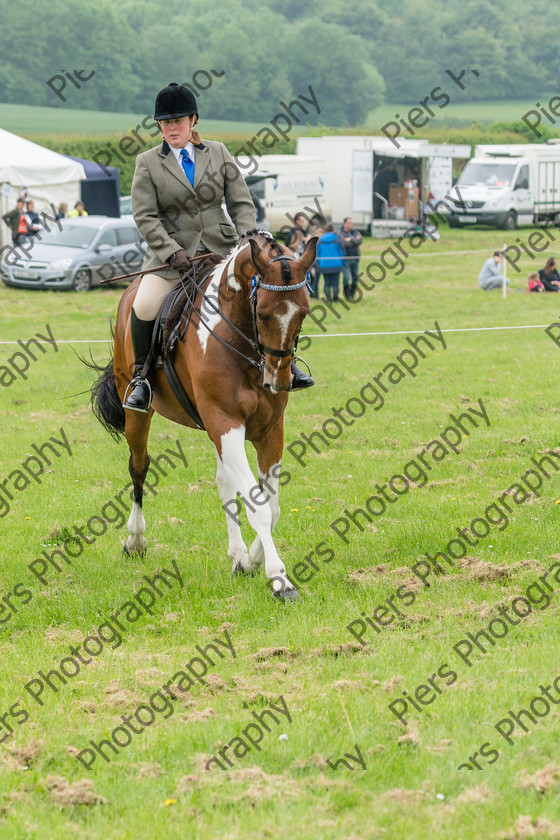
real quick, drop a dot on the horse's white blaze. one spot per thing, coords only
(261, 517)
(286, 319)
(207, 313)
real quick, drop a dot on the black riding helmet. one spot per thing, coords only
(174, 102)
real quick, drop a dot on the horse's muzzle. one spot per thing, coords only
(277, 380)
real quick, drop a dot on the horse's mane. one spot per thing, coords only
(267, 236)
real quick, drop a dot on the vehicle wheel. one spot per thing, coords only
(511, 221)
(453, 224)
(82, 280)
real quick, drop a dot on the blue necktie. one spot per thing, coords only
(188, 166)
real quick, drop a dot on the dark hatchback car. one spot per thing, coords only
(78, 255)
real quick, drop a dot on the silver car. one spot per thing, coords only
(77, 255)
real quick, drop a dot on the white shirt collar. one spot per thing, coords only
(177, 152)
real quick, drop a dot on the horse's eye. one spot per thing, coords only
(263, 318)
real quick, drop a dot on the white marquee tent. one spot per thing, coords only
(37, 173)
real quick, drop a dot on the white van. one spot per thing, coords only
(509, 185)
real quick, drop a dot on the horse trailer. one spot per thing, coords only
(422, 179)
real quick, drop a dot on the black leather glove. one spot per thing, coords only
(180, 260)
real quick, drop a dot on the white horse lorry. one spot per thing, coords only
(287, 184)
(422, 174)
(509, 185)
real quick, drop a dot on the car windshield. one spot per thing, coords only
(490, 174)
(71, 236)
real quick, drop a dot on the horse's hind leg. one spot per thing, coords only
(137, 429)
(237, 550)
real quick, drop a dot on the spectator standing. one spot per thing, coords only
(330, 261)
(79, 210)
(62, 210)
(315, 271)
(297, 237)
(490, 276)
(351, 240)
(17, 221)
(34, 223)
(549, 276)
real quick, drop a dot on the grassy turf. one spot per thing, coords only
(337, 691)
(457, 113)
(36, 120)
(33, 119)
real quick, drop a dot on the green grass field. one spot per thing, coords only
(337, 691)
(34, 120)
(462, 113)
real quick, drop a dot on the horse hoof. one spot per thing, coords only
(239, 570)
(138, 552)
(285, 595)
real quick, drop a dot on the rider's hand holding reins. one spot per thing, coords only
(180, 260)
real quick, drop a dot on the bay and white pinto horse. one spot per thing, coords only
(234, 364)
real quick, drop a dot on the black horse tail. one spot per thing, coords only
(105, 400)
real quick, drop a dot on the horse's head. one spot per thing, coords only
(280, 303)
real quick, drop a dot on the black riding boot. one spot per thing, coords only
(139, 393)
(300, 379)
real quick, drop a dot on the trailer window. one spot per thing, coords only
(489, 174)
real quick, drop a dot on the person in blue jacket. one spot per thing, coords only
(330, 259)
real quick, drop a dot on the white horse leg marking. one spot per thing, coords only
(237, 550)
(136, 527)
(256, 552)
(261, 517)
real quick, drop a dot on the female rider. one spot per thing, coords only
(177, 194)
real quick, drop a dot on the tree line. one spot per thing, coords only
(355, 55)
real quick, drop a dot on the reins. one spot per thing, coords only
(256, 283)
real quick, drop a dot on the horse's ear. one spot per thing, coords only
(308, 256)
(256, 257)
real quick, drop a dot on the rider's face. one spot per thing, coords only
(177, 132)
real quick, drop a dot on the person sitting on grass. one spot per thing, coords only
(549, 276)
(490, 276)
(535, 284)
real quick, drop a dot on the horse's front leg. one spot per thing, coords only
(137, 429)
(231, 451)
(237, 550)
(269, 481)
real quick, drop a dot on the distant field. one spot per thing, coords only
(464, 113)
(31, 120)
(27, 119)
